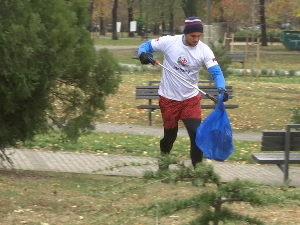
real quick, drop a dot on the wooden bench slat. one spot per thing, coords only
(279, 148)
(148, 107)
(279, 133)
(212, 92)
(150, 92)
(275, 158)
(275, 140)
(202, 106)
(228, 88)
(279, 141)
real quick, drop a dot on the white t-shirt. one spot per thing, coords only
(183, 60)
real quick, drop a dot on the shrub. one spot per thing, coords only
(296, 115)
(292, 72)
(264, 71)
(279, 72)
(270, 72)
(282, 73)
(230, 71)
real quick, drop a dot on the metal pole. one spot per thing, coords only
(287, 152)
(181, 78)
(252, 45)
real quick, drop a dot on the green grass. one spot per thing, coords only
(123, 39)
(265, 79)
(286, 62)
(122, 42)
(40, 198)
(263, 105)
(134, 145)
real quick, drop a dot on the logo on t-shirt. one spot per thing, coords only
(182, 61)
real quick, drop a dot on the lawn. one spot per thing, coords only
(262, 105)
(40, 198)
(134, 145)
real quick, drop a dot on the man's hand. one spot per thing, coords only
(225, 95)
(146, 58)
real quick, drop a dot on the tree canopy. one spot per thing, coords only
(49, 69)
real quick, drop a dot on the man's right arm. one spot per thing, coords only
(145, 47)
(144, 53)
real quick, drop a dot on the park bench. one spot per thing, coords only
(280, 140)
(236, 57)
(150, 93)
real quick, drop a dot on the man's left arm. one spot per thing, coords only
(218, 77)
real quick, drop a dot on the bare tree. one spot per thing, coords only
(114, 21)
(189, 7)
(130, 16)
(264, 41)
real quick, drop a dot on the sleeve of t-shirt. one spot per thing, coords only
(161, 44)
(214, 68)
(209, 57)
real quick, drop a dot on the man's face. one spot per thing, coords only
(192, 39)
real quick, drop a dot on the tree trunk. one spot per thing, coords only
(171, 22)
(90, 26)
(156, 29)
(163, 24)
(189, 7)
(114, 21)
(264, 41)
(102, 29)
(130, 18)
(217, 212)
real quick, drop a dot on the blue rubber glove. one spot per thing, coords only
(224, 93)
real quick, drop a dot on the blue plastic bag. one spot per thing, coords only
(214, 135)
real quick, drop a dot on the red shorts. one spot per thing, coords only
(172, 111)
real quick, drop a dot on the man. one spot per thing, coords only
(184, 55)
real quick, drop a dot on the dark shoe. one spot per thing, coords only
(163, 162)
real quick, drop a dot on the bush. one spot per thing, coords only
(264, 71)
(272, 35)
(270, 72)
(292, 72)
(280, 72)
(296, 115)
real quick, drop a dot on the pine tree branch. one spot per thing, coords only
(69, 83)
(62, 97)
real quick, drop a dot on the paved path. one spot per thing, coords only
(92, 163)
(158, 131)
(41, 160)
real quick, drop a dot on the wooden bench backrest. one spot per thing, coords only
(151, 92)
(275, 140)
